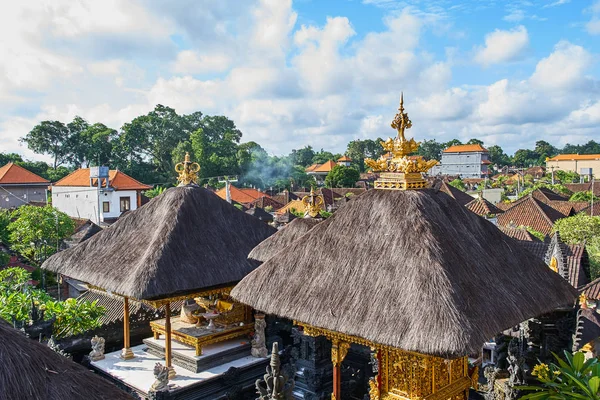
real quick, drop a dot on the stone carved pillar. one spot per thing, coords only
(259, 347)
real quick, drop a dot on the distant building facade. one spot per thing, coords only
(574, 163)
(99, 199)
(466, 161)
(19, 186)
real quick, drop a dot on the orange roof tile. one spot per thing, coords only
(326, 167)
(14, 174)
(311, 168)
(569, 157)
(243, 196)
(344, 159)
(297, 205)
(465, 148)
(117, 180)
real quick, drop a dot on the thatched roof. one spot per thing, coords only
(260, 213)
(30, 370)
(410, 269)
(286, 235)
(185, 240)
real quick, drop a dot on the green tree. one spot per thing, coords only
(36, 232)
(52, 138)
(93, 145)
(557, 188)
(571, 378)
(4, 222)
(324, 156)
(431, 149)
(341, 176)
(525, 158)
(459, 184)
(358, 150)
(5, 158)
(303, 156)
(453, 142)
(584, 196)
(566, 176)
(17, 296)
(497, 156)
(475, 141)
(582, 228)
(544, 149)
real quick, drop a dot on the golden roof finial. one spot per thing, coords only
(313, 204)
(187, 171)
(399, 171)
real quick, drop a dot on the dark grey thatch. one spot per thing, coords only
(184, 240)
(32, 371)
(410, 269)
(286, 235)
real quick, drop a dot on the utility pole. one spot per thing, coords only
(592, 190)
(227, 181)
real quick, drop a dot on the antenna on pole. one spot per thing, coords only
(227, 181)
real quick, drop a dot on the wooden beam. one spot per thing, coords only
(168, 355)
(339, 349)
(126, 353)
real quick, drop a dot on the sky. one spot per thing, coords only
(308, 72)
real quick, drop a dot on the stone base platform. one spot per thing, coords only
(136, 376)
(212, 355)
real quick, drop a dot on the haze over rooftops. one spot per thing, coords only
(13, 174)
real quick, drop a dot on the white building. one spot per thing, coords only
(465, 160)
(103, 197)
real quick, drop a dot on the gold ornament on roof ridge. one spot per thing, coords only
(313, 204)
(399, 171)
(188, 171)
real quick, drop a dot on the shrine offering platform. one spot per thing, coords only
(212, 354)
(137, 374)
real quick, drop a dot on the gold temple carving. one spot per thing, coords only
(313, 204)
(399, 170)
(188, 171)
(405, 374)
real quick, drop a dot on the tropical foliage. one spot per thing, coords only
(459, 184)
(582, 228)
(571, 378)
(341, 176)
(17, 297)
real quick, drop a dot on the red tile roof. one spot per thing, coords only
(117, 180)
(520, 233)
(546, 195)
(12, 174)
(570, 157)
(465, 148)
(266, 201)
(242, 196)
(584, 187)
(481, 206)
(592, 290)
(529, 211)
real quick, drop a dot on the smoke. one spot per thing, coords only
(266, 172)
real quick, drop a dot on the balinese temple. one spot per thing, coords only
(185, 245)
(404, 270)
(31, 370)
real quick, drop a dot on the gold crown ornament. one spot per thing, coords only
(399, 171)
(188, 171)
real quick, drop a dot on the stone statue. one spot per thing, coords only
(259, 347)
(274, 385)
(161, 373)
(97, 352)
(515, 364)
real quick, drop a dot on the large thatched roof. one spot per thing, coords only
(184, 240)
(286, 235)
(410, 269)
(30, 370)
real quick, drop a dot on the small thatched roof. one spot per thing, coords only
(410, 269)
(30, 370)
(286, 235)
(185, 240)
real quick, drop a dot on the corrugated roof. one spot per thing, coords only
(578, 157)
(117, 180)
(465, 148)
(12, 174)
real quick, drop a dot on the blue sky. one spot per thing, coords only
(309, 72)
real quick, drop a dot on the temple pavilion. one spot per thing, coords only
(186, 244)
(405, 271)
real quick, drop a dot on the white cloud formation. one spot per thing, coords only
(503, 46)
(593, 26)
(284, 85)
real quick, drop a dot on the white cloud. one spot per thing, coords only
(564, 69)
(503, 46)
(515, 16)
(593, 26)
(190, 62)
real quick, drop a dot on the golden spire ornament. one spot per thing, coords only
(398, 170)
(313, 204)
(187, 171)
